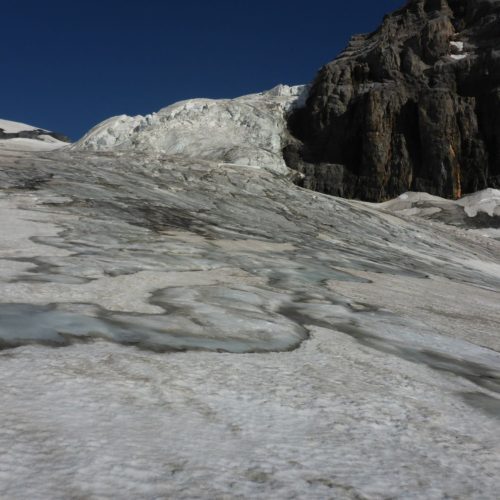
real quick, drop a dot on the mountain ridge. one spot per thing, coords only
(20, 136)
(412, 106)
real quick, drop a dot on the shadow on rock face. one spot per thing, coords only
(413, 106)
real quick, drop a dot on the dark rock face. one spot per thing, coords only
(413, 106)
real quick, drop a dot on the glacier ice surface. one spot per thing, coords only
(174, 325)
(224, 333)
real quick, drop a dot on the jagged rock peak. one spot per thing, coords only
(414, 105)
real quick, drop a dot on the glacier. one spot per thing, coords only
(248, 130)
(175, 324)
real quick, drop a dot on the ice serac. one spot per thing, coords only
(250, 130)
(413, 106)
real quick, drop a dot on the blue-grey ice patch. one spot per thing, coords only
(208, 318)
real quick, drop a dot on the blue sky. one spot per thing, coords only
(67, 65)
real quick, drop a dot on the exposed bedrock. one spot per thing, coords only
(413, 106)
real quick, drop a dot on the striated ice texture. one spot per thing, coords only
(177, 327)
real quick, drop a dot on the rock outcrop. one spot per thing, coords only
(413, 106)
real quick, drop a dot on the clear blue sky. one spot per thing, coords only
(67, 65)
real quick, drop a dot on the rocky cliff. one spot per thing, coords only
(413, 106)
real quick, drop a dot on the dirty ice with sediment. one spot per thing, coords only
(179, 320)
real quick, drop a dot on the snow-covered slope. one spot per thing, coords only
(15, 136)
(15, 127)
(44, 143)
(248, 130)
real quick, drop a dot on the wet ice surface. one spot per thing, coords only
(330, 349)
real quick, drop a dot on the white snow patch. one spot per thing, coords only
(16, 127)
(486, 201)
(458, 45)
(406, 202)
(412, 204)
(458, 51)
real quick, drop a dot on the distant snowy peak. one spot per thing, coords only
(9, 127)
(22, 137)
(248, 130)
